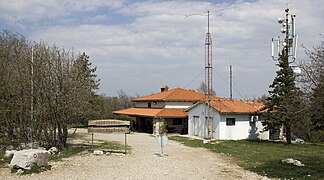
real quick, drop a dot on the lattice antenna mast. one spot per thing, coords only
(208, 73)
(208, 78)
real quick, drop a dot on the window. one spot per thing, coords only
(177, 122)
(230, 121)
(149, 104)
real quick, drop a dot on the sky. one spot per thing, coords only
(139, 46)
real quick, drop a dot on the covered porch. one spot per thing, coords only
(177, 119)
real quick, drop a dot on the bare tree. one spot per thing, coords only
(63, 90)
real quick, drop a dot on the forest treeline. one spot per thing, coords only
(44, 89)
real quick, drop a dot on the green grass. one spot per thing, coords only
(264, 157)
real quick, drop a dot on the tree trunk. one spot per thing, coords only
(288, 133)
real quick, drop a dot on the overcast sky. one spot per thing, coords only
(138, 46)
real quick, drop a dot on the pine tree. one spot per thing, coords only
(283, 102)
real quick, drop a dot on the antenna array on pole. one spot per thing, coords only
(289, 43)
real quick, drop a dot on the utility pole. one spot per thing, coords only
(208, 78)
(32, 96)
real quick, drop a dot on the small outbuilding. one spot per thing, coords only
(231, 119)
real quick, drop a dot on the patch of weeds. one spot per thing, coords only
(68, 152)
(34, 169)
(3, 160)
(75, 149)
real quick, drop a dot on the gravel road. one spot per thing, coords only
(179, 162)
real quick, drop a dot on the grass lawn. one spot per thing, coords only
(264, 157)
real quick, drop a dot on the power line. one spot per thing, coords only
(224, 79)
(194, 78)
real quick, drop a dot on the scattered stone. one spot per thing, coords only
(98, 152)
(117, 154)
(29, 157)
(53, 150)
(19, 171)
(292, 161)
(206, 141)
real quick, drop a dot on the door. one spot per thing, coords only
(196, 125)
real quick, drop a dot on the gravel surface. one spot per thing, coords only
(178, 162)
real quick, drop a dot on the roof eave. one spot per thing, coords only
(256, 113)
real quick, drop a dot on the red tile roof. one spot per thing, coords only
(150, 112)
(236, 106)
(220, 104)
(177, 94)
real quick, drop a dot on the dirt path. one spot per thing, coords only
(179, 162)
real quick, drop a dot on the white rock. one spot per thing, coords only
(288, 161)
(53, 150)
(206, 141)
(19, 171)
(28, 157)
(10, 153)
(98, 152)
(292, 161)
(298, 163)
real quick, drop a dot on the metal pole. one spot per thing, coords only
(125, 144)
(92, 142)
(161, 145)
(231, 83)
(287, 36)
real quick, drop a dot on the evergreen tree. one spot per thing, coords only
(283, 102)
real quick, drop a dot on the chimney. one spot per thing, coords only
(164, 88)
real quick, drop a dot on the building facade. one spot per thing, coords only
(231, 120)
(169, 105)
(186, 111)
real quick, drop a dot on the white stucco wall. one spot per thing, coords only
(240, 130)
(159, 104)
(163, 104)
(197, 123)
(182, 105)
(243, 129)
(262, 134)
